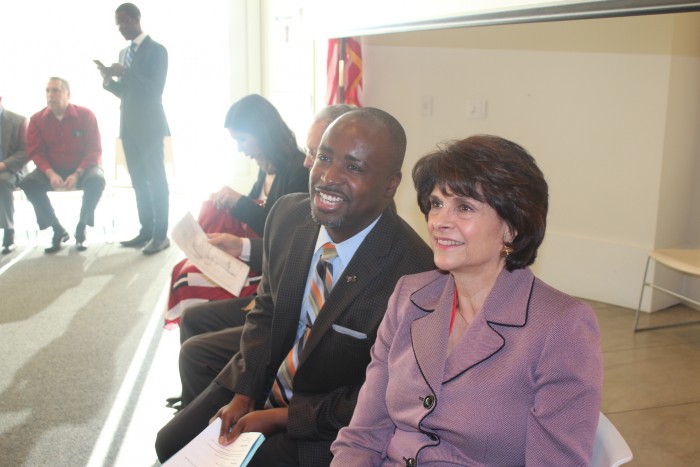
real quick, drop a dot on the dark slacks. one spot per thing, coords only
(210, 335)
(145, 161)
(8, 182)
(37, 185)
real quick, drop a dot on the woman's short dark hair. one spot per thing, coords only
(495, 171)
(256, 115)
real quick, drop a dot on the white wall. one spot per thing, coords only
(608, 107)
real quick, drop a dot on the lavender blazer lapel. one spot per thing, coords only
(506, 305)
(429, 332)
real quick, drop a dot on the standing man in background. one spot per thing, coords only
(13, 167)
(140, 79)
(63, 140)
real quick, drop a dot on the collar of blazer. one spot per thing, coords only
(364, 268)
(507, 305)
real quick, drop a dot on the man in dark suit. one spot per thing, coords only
(352, 185)
(141, 73)
(13, 168)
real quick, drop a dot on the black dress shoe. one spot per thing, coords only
(136, 242)
(80, 243)
(8, 240)
(154, 246)
(7, 249)
(58, 238)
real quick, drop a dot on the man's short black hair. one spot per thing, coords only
(130, 9)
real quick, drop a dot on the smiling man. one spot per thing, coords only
(331, 261)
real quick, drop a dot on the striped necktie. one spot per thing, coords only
(130, 52)
(318, 293)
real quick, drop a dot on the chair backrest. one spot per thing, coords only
(610, 449)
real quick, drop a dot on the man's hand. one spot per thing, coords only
(267, 422)
(71, 181)
(114, 70)
(230, 414)
(3, 167)
(56, 180)
(225, 198)
(227, 242)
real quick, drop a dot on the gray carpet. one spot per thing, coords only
(69, 326)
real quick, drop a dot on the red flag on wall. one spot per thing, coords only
(344, 71)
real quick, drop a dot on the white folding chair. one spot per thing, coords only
(610, 448)
(682, 260)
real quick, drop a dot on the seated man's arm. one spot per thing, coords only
(318, 417)
(17, 158)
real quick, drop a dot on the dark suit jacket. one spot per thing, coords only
(14, 144)
(332, 366)
(291, 179)
(140, 89)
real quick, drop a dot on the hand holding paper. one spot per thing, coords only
(205, 450)
(227, 271)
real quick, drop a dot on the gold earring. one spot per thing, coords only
(507, 249)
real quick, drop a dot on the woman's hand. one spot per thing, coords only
(225, 198)
(227, 242)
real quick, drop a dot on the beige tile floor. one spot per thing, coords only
(652, 384)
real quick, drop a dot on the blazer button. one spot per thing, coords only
(429, 402)
(410, 462)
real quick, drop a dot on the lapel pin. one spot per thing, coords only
(351, 278)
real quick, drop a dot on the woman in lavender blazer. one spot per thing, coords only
(479, 363)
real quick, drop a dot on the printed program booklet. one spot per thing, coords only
(205, 450)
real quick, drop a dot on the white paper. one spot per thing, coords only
(205, 450)
(227, 271)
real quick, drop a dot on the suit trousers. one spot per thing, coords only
(203, 356)
(37, 185)
(212, 316)
(144, 159)
(8, 183)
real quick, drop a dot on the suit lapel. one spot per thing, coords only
(364, 268)
(141, 50)
(506, 305)
(429, 333)
(303, 241)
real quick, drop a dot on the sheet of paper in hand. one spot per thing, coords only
(227, 271)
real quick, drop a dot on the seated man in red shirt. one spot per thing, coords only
(63, 140)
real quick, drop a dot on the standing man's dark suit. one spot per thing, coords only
(361, 173)
(143, 126)
(13, 168)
